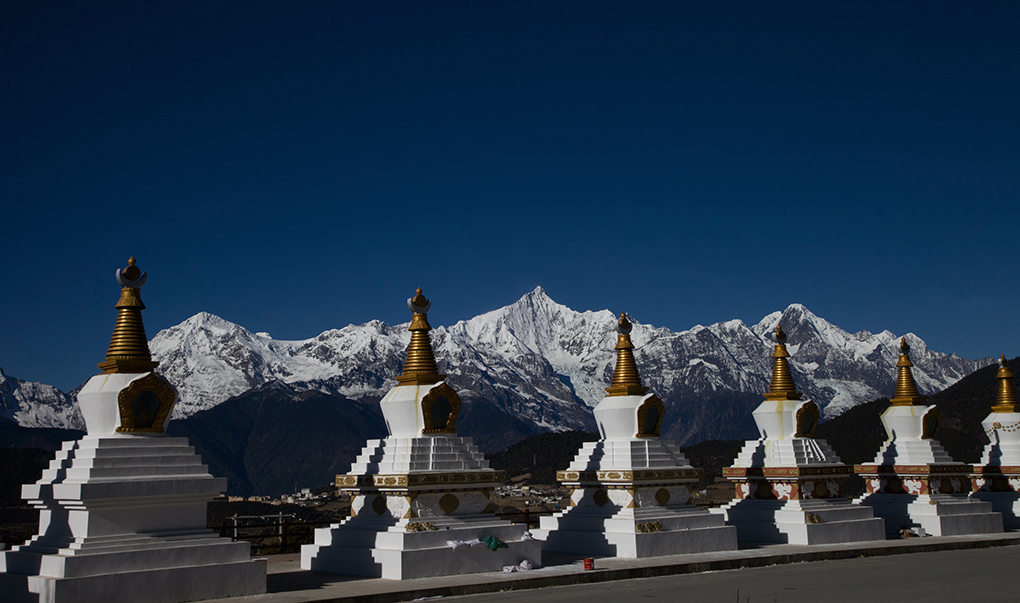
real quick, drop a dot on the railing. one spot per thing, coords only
(529, 517)
(286, 535)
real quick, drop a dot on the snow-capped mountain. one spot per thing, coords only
(547, 364)
(32, 404)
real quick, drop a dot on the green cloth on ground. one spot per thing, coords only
(495, 543)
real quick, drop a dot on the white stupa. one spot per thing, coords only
(122, 511)
(913, 482)
(996, 478)
(421, 496)
(789, 485)
(630, 492)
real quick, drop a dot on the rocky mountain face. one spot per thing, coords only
(537, 366)
(273, 439)
(32, 404)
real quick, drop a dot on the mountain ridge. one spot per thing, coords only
(543, 363)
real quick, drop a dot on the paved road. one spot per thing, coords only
(983, 575)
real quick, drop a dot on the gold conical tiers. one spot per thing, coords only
(626, 380)
(420, 366)
(782, 387)
(1006, 401)
(129, 348)
(906, 387)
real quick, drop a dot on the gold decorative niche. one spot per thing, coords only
(653, 403)
(930, 423)
(807, 420)
(437, 396)
(145, 405)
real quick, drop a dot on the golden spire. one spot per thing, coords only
(1006, 401)
(129, 348)
(626, 380)
(782, 387)
(906, 387)
(420, 367)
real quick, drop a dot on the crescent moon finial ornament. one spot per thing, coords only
(624, 326)
(418, 304)
(131, 277)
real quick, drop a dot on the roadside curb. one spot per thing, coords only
(751, 558)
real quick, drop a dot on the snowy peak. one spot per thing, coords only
(535, 324)
(840, 369)
(540, 362)
(536, 343)
(800, 324)
(32, 404)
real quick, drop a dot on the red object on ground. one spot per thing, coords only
(589, 564)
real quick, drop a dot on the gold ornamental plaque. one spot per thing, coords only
(449, 503)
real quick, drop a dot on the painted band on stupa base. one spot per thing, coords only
(422, 492)
(789, 485)
(630, 491)
(913, 483)
(124, 508)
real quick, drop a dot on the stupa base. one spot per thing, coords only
(360, 547)
(122, 518)
(145, 569)
(822, 521)
(1006, 503)
(636, 534)
(938, 515)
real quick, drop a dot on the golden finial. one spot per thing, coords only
(782, 387)
(129, 348)
(1006, 401)
(420, 366)
(626, 380)
(906, 387)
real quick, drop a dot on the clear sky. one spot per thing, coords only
(300, 166)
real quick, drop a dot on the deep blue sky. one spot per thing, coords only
(295, 167)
